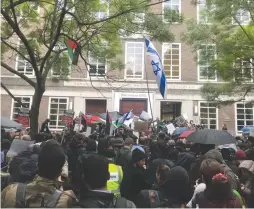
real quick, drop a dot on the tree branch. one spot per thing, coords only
(113, 16)
(11, 95)
(24, 77)
(58, 30)
(14, 49)
(25, 42)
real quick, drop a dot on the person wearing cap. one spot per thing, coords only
(135, 179)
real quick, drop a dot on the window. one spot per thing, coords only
(208, 115)
(171, 10)
(97, 66)
(171, 60)
(243, 70)
(203, 17)
(57, 106)
(242, 17)
(206, 55)
(62, 66)
(103, 11)
(134, 59)
(244, 115)
(27, 101)
(22, 65)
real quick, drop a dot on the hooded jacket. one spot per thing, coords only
(216, 155)
(185, 160)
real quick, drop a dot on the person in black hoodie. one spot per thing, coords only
(134, 179)
(173, 193)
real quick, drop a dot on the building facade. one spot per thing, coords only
(126, 89)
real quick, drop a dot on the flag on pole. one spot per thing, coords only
(125, 118)
(157, 67)
(73, 51)
(108, 124)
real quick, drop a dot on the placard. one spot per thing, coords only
(140, 126)
(67, 117)
(171, 128)
(180, 121)
(23, 117)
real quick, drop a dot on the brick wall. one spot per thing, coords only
(227, 116)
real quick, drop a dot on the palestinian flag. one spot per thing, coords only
(108, 124)
(92, 119)
(73, 50)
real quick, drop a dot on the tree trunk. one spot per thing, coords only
(34, 112)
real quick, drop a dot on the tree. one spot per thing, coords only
(96, 26)
(228, 28)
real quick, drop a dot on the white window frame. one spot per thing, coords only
(12, 104)
(58, 118)
(180, 61)
(217, 114)
(53, 75)
(198, 65)
(97, 75)
(252, 71)
(243, 103)
(143, 60)
(25, 61)
(163, 6)
(241, 22)
(206, 22)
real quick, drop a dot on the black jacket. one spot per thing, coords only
(95, 199)
(45, 128)
(134, 181)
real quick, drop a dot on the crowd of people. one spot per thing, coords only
(124, 171)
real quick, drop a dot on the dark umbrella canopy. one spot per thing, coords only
(8, 124)
(210, 136)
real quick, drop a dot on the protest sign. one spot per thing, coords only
(180, 121)
(18, 146)
(141, 126)
(171, 128)
(23, 117)
(67, 117)
(88, 131)
(144, 116)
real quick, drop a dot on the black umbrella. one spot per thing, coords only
(8, 124)
(211, 136)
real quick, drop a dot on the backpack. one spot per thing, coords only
(50, 203)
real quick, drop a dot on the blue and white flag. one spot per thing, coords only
(126, 118)
(157, 68)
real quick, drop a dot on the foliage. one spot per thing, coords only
(233, 36)
(98, 25)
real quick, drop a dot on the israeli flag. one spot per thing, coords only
(157, 68)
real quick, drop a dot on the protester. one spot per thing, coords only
(228, 155)
(216, 155)
(135, 179)
(95, 175)
(246, 176)
(43, 191)
(218, 192)
(45, 127)
(123, 155)
(173, 193)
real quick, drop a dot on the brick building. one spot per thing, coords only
(129, 89)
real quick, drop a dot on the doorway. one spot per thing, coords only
(170, 110)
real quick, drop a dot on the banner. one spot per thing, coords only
(141, 126)
(67, 117)
(23, 117)
(180, 121)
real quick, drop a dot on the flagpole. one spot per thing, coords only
(149, 99)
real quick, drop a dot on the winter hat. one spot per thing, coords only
(240, 155)
(137, 155)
